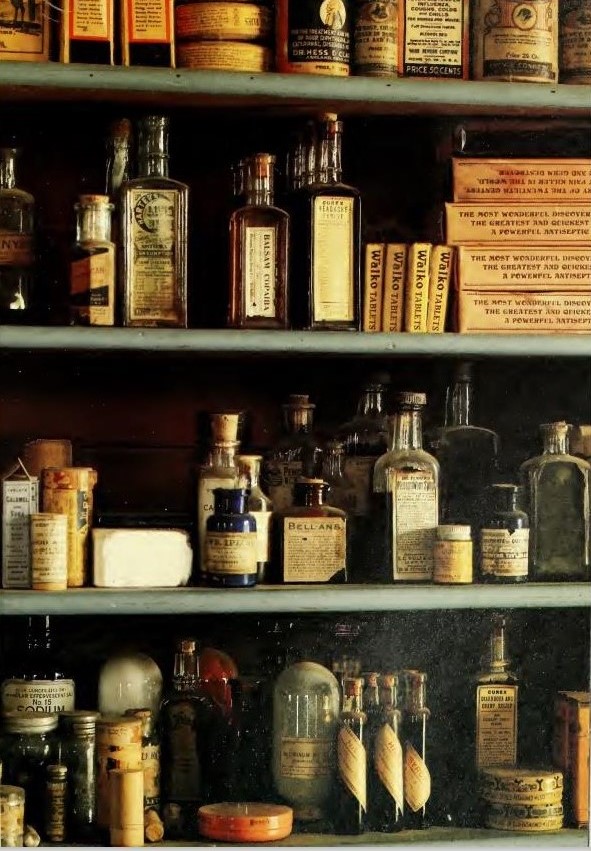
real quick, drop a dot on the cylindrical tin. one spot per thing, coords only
(223, 21)
(517, 786)
(524, 818)
(375, 38)
(313, 37)
(118, 745)
(41, 454)
(452, 563)
(12, 816)
(223, 56)
(49, 552)
(68, 490)
(515, 40)
(574, 42)
(126, 795)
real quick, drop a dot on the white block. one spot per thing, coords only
(141, 558)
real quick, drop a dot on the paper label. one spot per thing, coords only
(415, 516)
(575, 41)
(263, 535)
(305, 759)
(91, 20)
(49, 550)
(74, 504)
(231, 553)
(352, 762)
(205, 502)
(280, 476)
(394, 276)
(37, 695)
(149, 21)
(534, 224)
(526, 312)
(151, 766)
(314, 548)
(500, 179)
(19, 501)
(496, 725)
(452, 562)
(25, 31)
(529, 269)
(259, 264)
(15, 249)
(230, 21)
(389, 763)
(333, 277)
(223, 56)
(359, 469)
(435, 39)
(417, 779)
(92, 286)
(504, 553)
(376, 38)
(183, 769)
(317, 36)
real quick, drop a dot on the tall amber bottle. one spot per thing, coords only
(351, 805)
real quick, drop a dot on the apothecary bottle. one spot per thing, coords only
(504, 538)
(154, 212)
(306, 705)
(417, 776)
(150, 756)
(310, 538)
(258, 506)
(77, 731)
(296, 453)
(29, 745)
(405, 499)
(17, 249)
(259, 246)
(351, 795)
(230, 541)
(342, 492)
(557, 500)
(386, 785)
(92, 263)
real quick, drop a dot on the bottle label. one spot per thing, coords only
(148, 21)
(259, 265)
(318, 37)
(151, 766)
(452, 562)
(153, 273)
(92, 286)
(223, 55)
(415, 516)
(263, 535)
(15, 249)
(417, 779)
(231, 553)
(280, 476)
(304, 759)
(26, 39)
(74, 504)
(19, 501)
(55, 823)
(376, 38)
(359, 469)
(496, 725)
(91, 20)
(230, 22)
(49, 551)
(183, 768)
(314, 548)
(205, 491)
(352, 762)
(504, 553)
(389, 763)
(434, 39)
(37, 695)
(575, 41)
(333, 277)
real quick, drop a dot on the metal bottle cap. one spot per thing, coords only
(410, 399)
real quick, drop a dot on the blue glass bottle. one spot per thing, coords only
(230, 557)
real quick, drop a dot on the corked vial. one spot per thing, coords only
(452, 553)
(56, 787)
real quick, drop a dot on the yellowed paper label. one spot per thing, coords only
(37, 695)
(575, 41)
(453, 562)
(151, 766)
(231, 21)
(394, 277)
(314, 548)
(333, 274)
(504, 553)
(20, 499)
(205, 503)
(25, 31)
(373, 287)
(352, 763)
(435, 39)
(149, 20)
(92, 285)
(359, 469)
(375, 38)
(75, 505)
(514, 179)
(440, 269)
(415, 515)
(15, 249)
(552, 223)
(417, 779)
(304, 758)
(496, 725)
(263, 534)
(389, 763)
(49, 550)
(532, 313)
(281, 476)
(417, 287)
(230, 552)
(523, 268)
(259, 264)
(91, 19)
(223, 56)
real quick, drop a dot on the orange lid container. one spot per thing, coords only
(245, 822)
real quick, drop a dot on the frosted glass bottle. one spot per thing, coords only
(129, 680)
(306, 705)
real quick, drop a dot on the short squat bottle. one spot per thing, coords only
(230, 541)
(504, 538)
(92, 264)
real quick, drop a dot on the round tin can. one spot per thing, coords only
(313, 37)
(223, 21)
(516, 786)
(245, 822)
(524, 818)
(49, 552)
(574, 42)
(223, 56)
(118, 745)
(375, 38)
(452, 555)
(515, 40)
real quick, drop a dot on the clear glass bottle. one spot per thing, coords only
(342, 491)
(259, 506)
(129, 680)
(29, 745)
(326, 242)
(309, 539)
(417, 777)
(259, 246)
(92, 263)
(77, 730)
(296, 453)
(557, 489)
(219, 471)
(351, 797)
(230, 541)
(386, 786)
(406, 500)
(468, 456)
(150, 757)
(504, 538)
(17, 249)
(154, 212)
(306, 704)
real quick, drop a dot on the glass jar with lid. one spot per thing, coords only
(77, 730)
(29, 745)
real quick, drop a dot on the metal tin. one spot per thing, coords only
(452, 553)
(574, 41)
(245, 822)
(223, 21)
(49, 552)
(517, 786)
(223, 56)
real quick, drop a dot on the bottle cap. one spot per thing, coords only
(245, 822)
(261, 165)
(57, 772)
(388, 680)
(94, 200)
(454, 532)
(371, 678)
(353, 686)
(410, 399)
(298, 400)
(560, 429)
(29, 722)
(79, 720)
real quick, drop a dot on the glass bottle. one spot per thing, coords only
(129, 680)
(306, 703)
(417, 778)
(406, 499)
(557, 486)
(468, 456)
(154, 210)
(296, 453)
(259, 246)
(259, 506)
(504, 538)
(219, 471)
(119, 165)
(345, 659)
(92, 263)
(230, 541)
(28, 747)
(386, 790)
(17, 249)
(37, 682)
(351, 804)
(326, 242)
(342, 492)
(496, 703)
(310, 538)
(77, 730)
(150, 757)
(55, 803)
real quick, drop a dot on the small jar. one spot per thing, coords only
(453, 555)
(504, 538)
(29, 746)
(230, 541)
(12, 816)
(56, 786)
(78, 738)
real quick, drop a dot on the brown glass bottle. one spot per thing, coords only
(385, 774)
(351, 803)
(325, 244)
(417, 779)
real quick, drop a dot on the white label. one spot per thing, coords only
(333, 280)
(305, 759)
(259, 272)
(389, 763)
(37, 695)
(504, 553)
(496, 725)
(415, 516)
(314, 548)
(232, 553)
(20, 499)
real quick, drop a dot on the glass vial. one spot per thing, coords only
(55, 803)
(258, 506)
(504, 538)
(386, 783)
(17, 232)
(417, 777)
(230, 541)
(92, 264)
(351, 806)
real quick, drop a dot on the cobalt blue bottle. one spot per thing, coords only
(230, 558)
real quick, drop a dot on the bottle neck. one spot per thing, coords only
(330, 167)
(298, 420)
(152, 165)
(407, 430)
(498, 658)
(7, 169)
(118, 162)
(260, 191)
(333, 464)
(38, 634)
(371, 403)
(461, 403)
(309, 497)
(223, 454)
(93, 223)
(555, 443)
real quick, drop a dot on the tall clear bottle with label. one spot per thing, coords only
(259, 245)
(326, 242)
(417, 777)
(351, 798)
(259, 506)
(154, 213)
(405, 500)
(296, 453)
(386, 785)
(17, 249)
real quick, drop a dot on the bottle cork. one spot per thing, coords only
(225, 427)
(39, 454)
(153, 826)
(126, 796)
